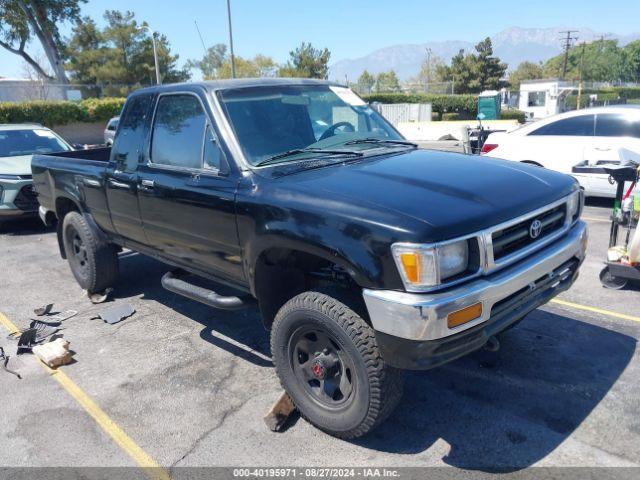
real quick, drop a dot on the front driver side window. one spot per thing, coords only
(178, 131)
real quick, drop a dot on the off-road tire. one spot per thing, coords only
(378, 387)
(98, 269)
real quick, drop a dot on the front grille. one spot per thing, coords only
(516, 237)
(26, 199)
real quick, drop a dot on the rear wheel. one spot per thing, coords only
(94, 263)
(609, 281)
(328, 361)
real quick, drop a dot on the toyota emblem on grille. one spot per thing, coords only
(535, 229)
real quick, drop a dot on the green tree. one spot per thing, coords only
(489, 69)
(631, 54)
(86, 52)
(211, 62)
(600, 61)
(217, 64)
(387, 82)
(461, 72)
(525, 71)
(120, 54)
(306, 62)
(22, 21)
(366, 81)
(431, 70)
(259, 66)
(475, 72)
(265, 66)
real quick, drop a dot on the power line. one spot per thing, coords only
(568, 41)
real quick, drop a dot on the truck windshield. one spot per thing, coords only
(271, 120)
(14, 143)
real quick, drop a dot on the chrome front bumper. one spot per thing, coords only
(423, 316)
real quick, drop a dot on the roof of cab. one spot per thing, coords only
(239, 83)
(21, 126)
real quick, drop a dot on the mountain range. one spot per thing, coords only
(512, 45)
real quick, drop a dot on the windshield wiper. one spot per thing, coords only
(297, 151)
(379, 141)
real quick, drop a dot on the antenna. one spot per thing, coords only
(200, 35)
(568, 40)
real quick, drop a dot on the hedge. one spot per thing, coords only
(450, 116)
(463, 104)
(513, 114)
(54, 113)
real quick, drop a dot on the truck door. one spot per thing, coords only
(186, 191)
(122, 177)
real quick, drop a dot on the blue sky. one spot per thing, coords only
(350, 28)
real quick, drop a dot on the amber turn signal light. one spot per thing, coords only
(411, 264)
(464, 315)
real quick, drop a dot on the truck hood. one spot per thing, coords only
(448, 194)
(15, 165)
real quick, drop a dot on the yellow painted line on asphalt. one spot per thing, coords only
(601, 311)
(111, 428)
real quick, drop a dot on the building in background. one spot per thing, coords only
(26, 90)
(542, 98)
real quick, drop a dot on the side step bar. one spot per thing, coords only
(172, 282)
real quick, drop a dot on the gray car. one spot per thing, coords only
(110, 131)
(18, 142)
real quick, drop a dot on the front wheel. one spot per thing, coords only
(328, 361)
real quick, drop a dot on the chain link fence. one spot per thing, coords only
(18, 90)
(444, 88)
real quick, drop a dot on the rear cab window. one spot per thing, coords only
(128, 143)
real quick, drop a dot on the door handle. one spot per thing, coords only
(146, 184)
(603, 149)
(90, 182)
(121, 185)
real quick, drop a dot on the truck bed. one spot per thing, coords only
(57, 173)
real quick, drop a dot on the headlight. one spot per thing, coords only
(574, 205)
(424, 266)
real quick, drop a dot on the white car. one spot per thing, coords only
(110, 131)
(594, 135)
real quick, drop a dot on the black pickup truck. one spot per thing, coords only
(366, 255)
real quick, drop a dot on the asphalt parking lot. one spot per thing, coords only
(179, 384)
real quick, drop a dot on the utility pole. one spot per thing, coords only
(581, 68)
(568, 40)
(601, 40)
(428, 68)
(233, 60)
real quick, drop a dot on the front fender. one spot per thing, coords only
(362, 248)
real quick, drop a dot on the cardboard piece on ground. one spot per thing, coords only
(117, 313)
(279, 413)
(54, 353)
